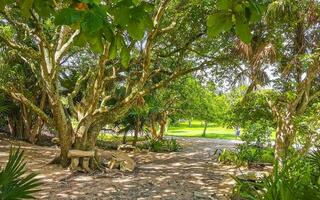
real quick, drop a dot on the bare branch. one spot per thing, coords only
(59, 52)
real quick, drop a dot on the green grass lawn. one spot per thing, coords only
(196, 130)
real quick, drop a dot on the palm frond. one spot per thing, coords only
(263, 52)
(243, 50)
(14, 183)
(314, 158)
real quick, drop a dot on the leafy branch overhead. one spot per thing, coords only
(237, 14)
(99, 23)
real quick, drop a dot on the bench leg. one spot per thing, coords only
(85, 164)
(74, 163)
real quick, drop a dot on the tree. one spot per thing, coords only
(294, 39)
(120, 62)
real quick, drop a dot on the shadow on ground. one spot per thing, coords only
(190, 174)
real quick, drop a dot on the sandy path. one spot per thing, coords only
(184, 175)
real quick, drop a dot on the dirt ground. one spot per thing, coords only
(192, 173)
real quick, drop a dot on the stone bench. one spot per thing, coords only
(75, 156)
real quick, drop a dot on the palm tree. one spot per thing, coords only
(255, 55)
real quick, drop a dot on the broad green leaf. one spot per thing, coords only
(113, 50)
(121, 16)
(25, 7)
(68, 16)
(3, 4)
(239, 8)
(136, 2)
(224, 4)
(119, 41)
(147, 7)
(107, 33)
(91, 1)
(136, 29)
(212, 20)
(218, 23)
(139, 14)
(92, 22)
(95, 43)
(43, 8)
(243, 31)
(81, 40)
(125, 56)
(255, 13)
(227, 23)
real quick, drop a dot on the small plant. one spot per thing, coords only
(228, 157)
(165, 145)
(245, 155)
(14, 183)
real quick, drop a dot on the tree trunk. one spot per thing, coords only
(26, 119)
(64, 128)
(12, 125)
(124, 138)
(162, 129)
(136, 132)
(153, 129)
(284, 136)
(190, 122)
(37, 126)
(205, 129)
(35, 131)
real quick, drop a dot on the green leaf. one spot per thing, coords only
(107, 33)
(136, 2)
(243, 31)
(113, 50)
(147, 7)
(43, 8)
(227, 23)
(3, 4)
(121, 15)
(80, 40)
(68, 16)
(95, 43)
(140, 15)
(91, 1)
(25, 7)
(136, 29)
(119, 41)
(92, 23)
(217, 23)
(255, 13)
(125, 56)
(224, 4)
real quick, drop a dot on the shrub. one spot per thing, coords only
(245, 155)
(229, 156)
(14, 183)
(166, 145)
(298, 179)
(257, 134)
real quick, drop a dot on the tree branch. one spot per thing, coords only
(62, 48)
(21, 98)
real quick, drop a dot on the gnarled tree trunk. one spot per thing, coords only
(284, 136)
